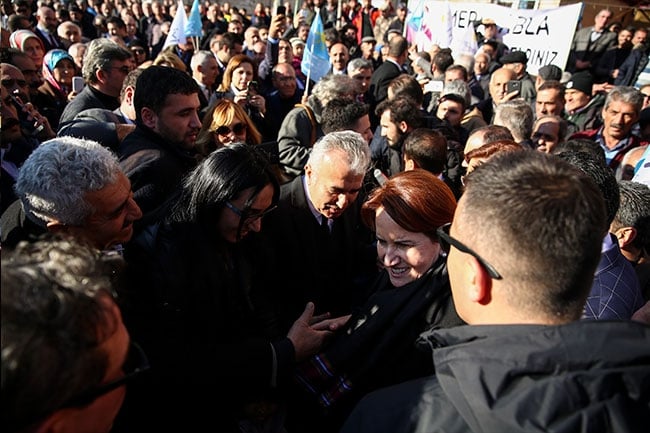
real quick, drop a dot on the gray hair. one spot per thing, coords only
(634, 211)
(53, 181)
(351, 143)
(517, 116)
(628, 95)
(334, 87)
(99, 55)
(200, 58)
(359, 63)
(460, 88)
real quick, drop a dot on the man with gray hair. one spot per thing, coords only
(517, 116)
(205, 71)
(106, 64)
(72, 186)
(317, 230)
(620, 114)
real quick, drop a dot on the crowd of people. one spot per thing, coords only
(198, 236)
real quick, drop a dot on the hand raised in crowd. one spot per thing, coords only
(277, 26)
(307, 339)
(42, 129)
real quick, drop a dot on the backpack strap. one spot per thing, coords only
(312, 120)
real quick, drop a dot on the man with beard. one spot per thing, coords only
(160, 151)
(397, 117)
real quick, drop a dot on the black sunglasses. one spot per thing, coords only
(247, 216)
(136, 363)
(446, 241)
(237, 128)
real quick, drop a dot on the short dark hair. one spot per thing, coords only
(443, 59)
(341, 115)
(402, 109)
(406, 85)
(559, 210)
(428, 148)
(155, 83)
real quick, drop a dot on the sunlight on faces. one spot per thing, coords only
(229, 221)
(618, 119)
(546, 135)
(405, 255)
(450, 111)
(363, 77)
(63, 72)
(389, 129)
(115, 212)
(548, 102)
(178, 122)
(332, 187)
(363, 127)
(498, 83)
(575, 99)
(242, 75)
(33, 48)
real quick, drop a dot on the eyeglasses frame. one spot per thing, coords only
(443, 234)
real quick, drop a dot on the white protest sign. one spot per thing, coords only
(545, 35)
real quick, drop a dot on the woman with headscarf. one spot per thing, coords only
(27, 42)
(58, 70)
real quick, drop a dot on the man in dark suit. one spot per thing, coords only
(590, 43)
(389, 69)
(317, 232)
(103, 83)
(46, 24)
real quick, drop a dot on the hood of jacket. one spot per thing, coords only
(583, 376)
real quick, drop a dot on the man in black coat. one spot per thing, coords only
(389, 69)
(160, 151)
(103, 83)
(318, 233)
(525, 359)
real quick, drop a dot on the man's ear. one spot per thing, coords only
(128, 94)
(100, 74)
(403, 126)
(409, 164)
(479, 285)
(625, 236)
(149, 118)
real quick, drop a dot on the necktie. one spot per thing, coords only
(324, 225)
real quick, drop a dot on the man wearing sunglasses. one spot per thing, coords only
(521, 262)
(66, 354)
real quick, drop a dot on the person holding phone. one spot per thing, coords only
(240, 85)
(523, 83)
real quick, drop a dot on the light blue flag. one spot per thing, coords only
(315, 60)
(194, 26)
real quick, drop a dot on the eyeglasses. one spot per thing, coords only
(123, 69)
(136, 363)
(644, 95)
(246, 216)
(237, 128)
(447, 241)
(12, 82)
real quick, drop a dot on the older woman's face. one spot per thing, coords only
(405, 255)
(33, 48)
(242, 75)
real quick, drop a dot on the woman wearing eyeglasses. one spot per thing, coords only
(58, 70)
(200, 306)
(239, 84)
(377, 346)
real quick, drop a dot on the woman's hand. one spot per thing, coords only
(258, 102)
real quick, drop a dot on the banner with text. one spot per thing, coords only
(545, 35)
